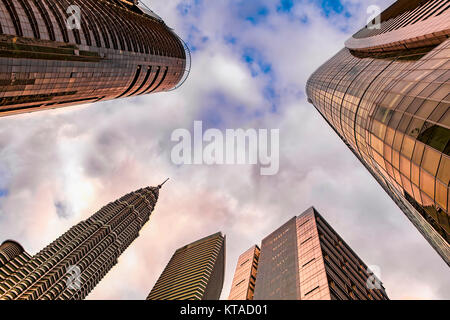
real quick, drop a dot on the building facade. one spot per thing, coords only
(243, 285)
(56, 53)
(195, 272)
(387, 96)
(71, 266)
(305, 259)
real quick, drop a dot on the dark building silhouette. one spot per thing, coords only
(387, 96)
(72, 265)
(51, 57)
(195, 272)
(305, 259)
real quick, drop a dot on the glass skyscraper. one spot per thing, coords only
(306, 259)
(387, 96)
(72, 265)
(56, 53)
(243, 285)
(195, 272)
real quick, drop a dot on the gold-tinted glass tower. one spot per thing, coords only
(387, 96)
(56, 53)
(195, 272)
(305, 259)
(72, 265)
(243, 285)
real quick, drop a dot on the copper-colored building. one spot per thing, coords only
(72, 265)
(243, 285)
(51, 56)
(387, 96)
(195, 272)
(305, 259)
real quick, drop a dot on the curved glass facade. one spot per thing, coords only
(391, 108)
(50, 58)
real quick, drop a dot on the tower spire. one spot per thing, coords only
(29, 280)
(160, 186)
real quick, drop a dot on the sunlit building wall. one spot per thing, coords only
(195, 272)
(243, 285)
(306, 259)
(56, 53)
(72, 265)
(387, 96)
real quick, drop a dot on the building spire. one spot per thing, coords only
(160, 186)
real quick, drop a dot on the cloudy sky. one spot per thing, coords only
(251, 60)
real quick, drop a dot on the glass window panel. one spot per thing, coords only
(377, 144)
(445, 121)
(388, 153)
(427, 183)
(407, 185)
(440, 93)
(398, 140)
(418, 88)
(444, 170)
(429, 89)
(441, 195)
(408, 147)
(404, 123)
(405, 166)
(405, 103)
(438, 112)
(430, 160)
(414, 128)
(389, 170)
(415, 174)
(395, 119)
(417, 196)
(427, 202)
(426, 109)
(379, 129)
(398, 177)
(418, 152)
(395, 159)
(389, 138)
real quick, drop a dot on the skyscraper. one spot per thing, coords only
(72, 265)
(387, 96)
(195, 272)
(56, 53)
(243, 285)
(305, 259)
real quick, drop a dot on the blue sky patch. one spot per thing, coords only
(285, 6)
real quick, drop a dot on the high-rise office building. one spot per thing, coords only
(72, 265)
(305, 259)
(56, 53)
(195, 272)
(387, 96)
(243, 285)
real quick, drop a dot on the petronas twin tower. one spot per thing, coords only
(72, 265)
(119, 49)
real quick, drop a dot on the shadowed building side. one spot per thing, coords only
(50, 58)
(278, 276)
(72, 265)
(387, 96)
(195, 272)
